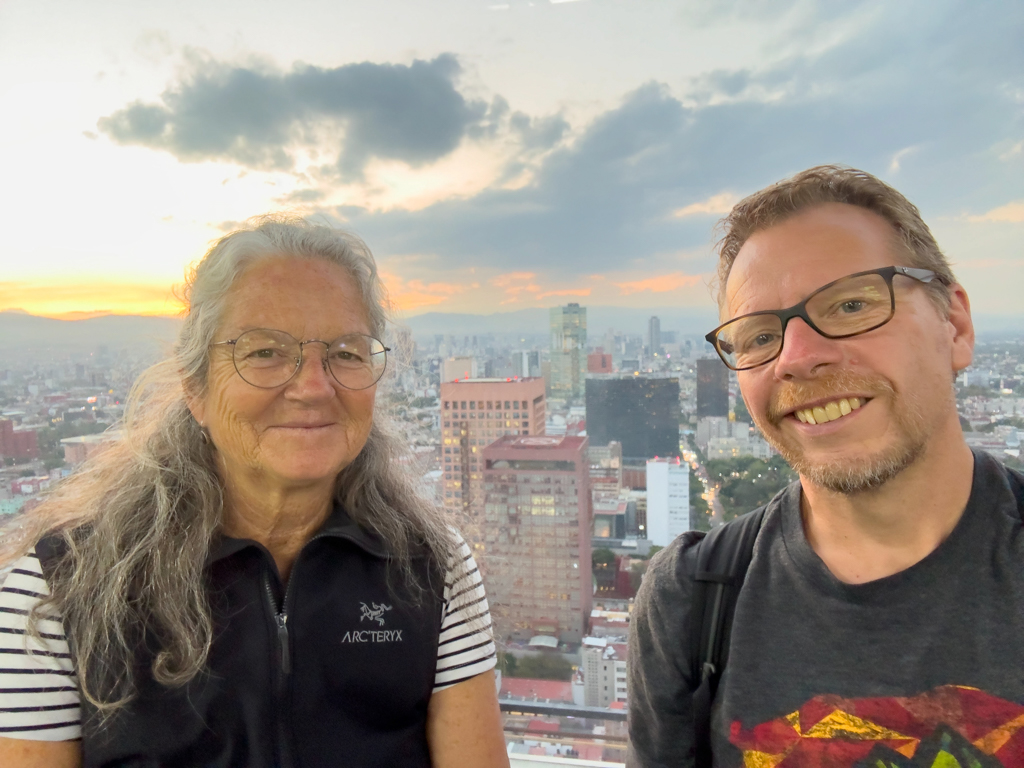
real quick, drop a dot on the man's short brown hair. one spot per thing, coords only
(835, 184)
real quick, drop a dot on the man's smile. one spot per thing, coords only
(829, 411)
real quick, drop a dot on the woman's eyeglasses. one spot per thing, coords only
(267, 358)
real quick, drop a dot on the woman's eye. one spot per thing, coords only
(345, 356)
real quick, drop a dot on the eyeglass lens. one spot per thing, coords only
(850, 306)
(268, 358)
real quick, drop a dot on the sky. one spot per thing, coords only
(495, 155)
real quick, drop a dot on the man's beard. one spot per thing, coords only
(854, 474)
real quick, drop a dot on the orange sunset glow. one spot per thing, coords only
(82, 300)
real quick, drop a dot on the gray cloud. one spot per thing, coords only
(938, 76)
(251, 116)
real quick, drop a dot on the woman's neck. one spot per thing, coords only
(282, 520)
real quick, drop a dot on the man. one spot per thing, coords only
(881, 621)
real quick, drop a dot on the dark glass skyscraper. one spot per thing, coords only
(712, 388)
(641, 412)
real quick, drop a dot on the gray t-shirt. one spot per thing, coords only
(921, 667)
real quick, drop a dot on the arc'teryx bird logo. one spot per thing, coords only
(374, 614)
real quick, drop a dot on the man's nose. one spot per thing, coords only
(805, 352)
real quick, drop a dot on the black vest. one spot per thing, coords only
(335, 672)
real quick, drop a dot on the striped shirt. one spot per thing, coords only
(39, 696)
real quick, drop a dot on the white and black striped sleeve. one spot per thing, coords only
(39, 696)
(466, 645)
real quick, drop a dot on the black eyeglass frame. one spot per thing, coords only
(800, 310)
(298, 363)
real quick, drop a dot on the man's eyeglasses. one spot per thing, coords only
(267, 358)
(846, 307)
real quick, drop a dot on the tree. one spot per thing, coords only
(602, 557)
(745, 483)
(53, 462)
(507, 663)
(741, 412)
(544, 666)
(697, 502)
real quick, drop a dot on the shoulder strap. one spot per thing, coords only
(723, 557)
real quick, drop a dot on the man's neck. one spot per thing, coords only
(867, 536)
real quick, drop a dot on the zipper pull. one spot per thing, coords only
(282, 636)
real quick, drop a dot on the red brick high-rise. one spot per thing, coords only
(537, 523)
(475, 413)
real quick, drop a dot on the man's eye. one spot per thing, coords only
(852, 306)
(760, 340)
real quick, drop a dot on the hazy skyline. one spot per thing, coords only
(494, 155)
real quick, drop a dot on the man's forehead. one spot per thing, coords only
(789, 260)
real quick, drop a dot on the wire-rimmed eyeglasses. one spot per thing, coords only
(846, 307)
(267, 358)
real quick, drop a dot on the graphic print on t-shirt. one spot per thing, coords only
(948, 727)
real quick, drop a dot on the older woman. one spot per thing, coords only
(249, 577)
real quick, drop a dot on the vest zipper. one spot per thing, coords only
(284, 757)
(281, 621)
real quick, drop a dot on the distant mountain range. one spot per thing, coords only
(20, 330)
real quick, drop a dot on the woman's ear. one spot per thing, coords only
(195, 402)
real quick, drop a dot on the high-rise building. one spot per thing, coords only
(641, 412)
(18, 443)
(604, 672)
(668, 500)
(537, 544)
(599, 362)
(654, 335)
(605, 467)
(475, 413)
(458, 368)
(712, 388)
(525, 364)
(568, 351)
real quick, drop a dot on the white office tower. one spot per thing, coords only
(668, 500)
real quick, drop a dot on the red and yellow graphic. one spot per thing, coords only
(948, 727)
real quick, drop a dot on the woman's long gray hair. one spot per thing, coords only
(139, 519)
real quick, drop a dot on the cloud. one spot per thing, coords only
(719, 204)
(301, 196)
(894, 164)
(257, 116)
(1011, 212)
(515, 284)
(407, 295)
(922, 75)
(566, 292)
(660, 284)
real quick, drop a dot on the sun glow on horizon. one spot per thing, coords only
(78, 301)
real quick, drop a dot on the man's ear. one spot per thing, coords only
(961, 327)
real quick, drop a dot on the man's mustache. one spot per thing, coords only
(792, 395)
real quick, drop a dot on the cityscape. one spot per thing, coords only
(567, 460)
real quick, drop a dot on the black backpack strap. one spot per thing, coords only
(723, 557)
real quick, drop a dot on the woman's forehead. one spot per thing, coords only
(299, 295)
